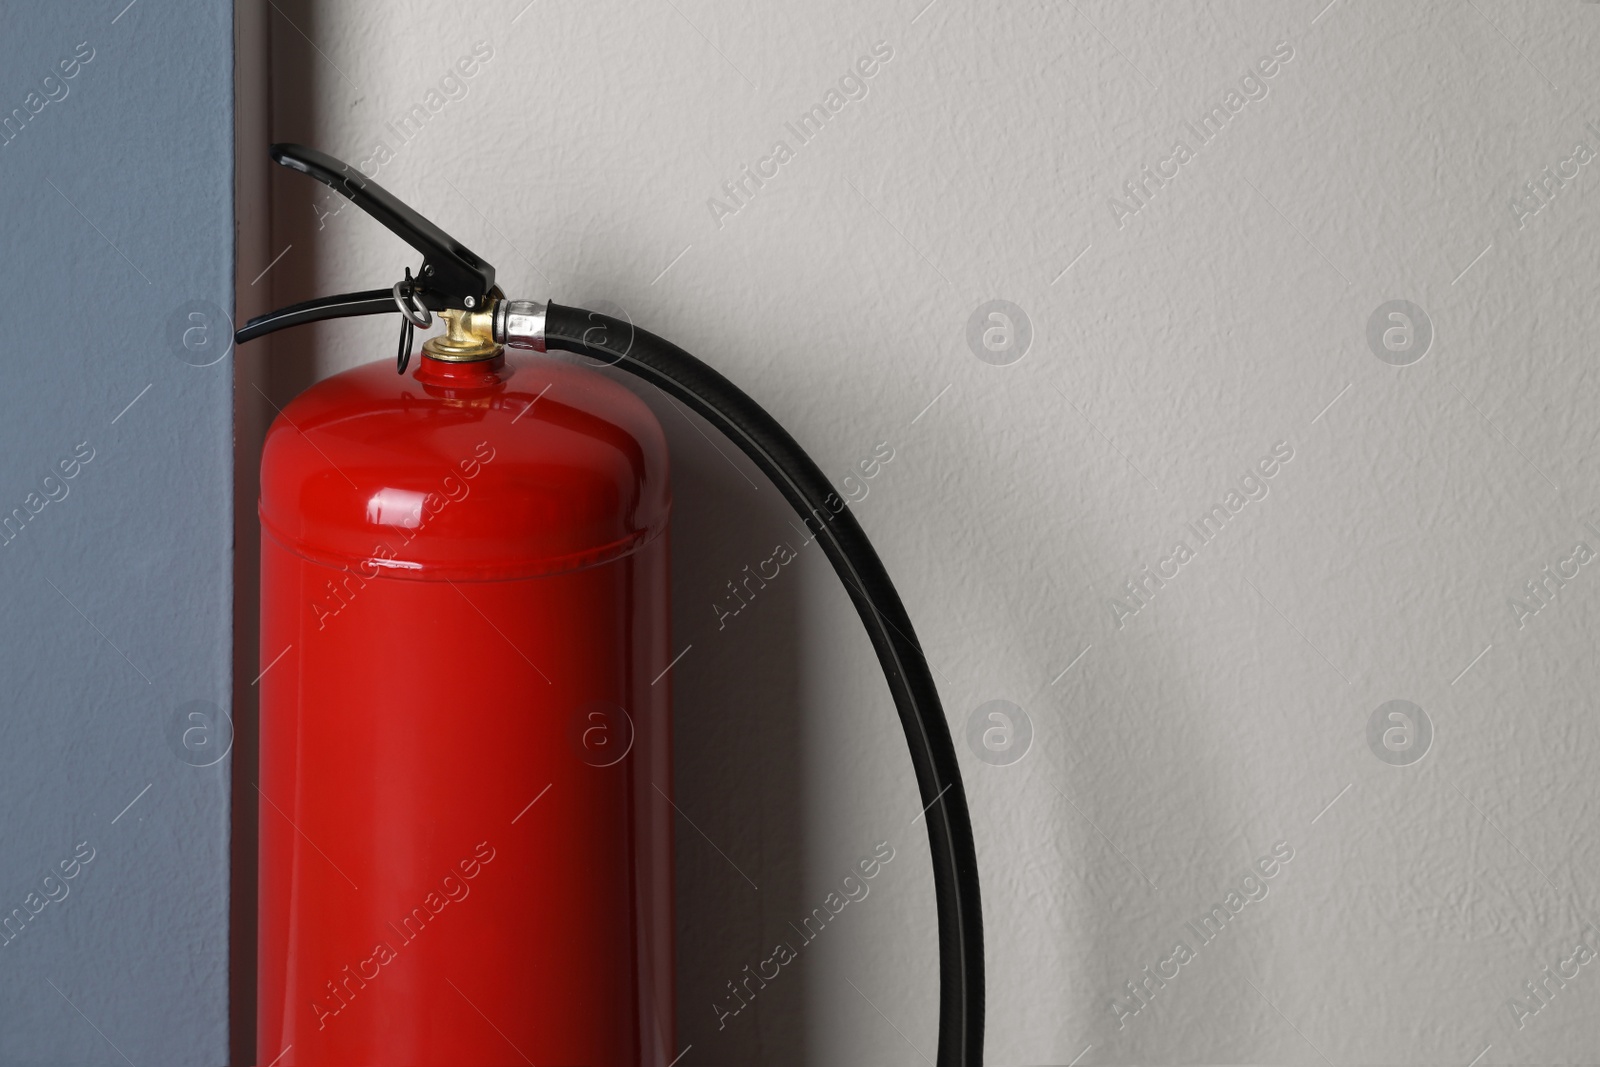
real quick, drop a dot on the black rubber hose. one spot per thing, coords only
(828, 516)
(367, 302)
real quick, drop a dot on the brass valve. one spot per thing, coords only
(468, 336)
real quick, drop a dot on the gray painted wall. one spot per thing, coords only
(117, 223)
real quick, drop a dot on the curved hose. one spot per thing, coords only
(367, 302)
(743, 421)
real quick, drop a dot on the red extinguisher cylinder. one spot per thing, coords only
(465, 824)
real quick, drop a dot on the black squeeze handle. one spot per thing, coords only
(452, 274)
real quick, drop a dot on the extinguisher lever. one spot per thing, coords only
(452, 275)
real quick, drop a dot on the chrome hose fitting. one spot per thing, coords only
(519, 324)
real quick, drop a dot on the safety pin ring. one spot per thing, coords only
(410, 305)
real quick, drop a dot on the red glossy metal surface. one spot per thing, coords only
(466, 850)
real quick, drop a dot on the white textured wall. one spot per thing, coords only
(1173, 348)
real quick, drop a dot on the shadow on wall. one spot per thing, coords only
(738, 745)
(250, 415)
(296, 84)
(275, 87)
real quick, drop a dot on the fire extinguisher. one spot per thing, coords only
(465, 834)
